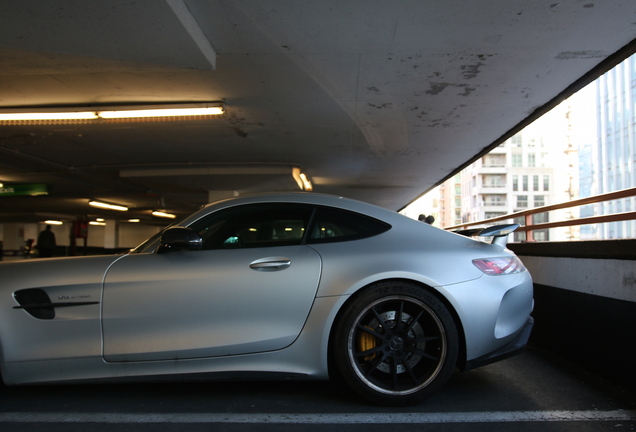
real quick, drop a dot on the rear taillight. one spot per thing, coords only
(500, 265)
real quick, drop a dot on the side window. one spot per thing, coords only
(335, 225)
(254, 225)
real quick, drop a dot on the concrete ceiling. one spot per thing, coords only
(374, 100)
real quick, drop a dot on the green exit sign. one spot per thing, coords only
(23, 189)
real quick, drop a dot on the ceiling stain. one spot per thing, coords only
(240, 132)
(467, 90)
(437, 88)
(471, 71)
(439, 122)
(589, 54)
(381, 106)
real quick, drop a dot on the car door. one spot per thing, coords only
(250, 290)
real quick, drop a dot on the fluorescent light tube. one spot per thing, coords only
(53, 222)
(86, 115)
(169, 112)
(112, 112)
(163, 214)
(108, 206)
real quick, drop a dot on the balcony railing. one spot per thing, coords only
(529, 226)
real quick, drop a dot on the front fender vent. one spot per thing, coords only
(36, 302)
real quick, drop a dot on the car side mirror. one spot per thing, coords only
(179, 239)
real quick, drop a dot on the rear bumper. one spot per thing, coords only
(513, 347)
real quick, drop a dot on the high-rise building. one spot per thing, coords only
(450, 202)
(520, 174)
(607, 162)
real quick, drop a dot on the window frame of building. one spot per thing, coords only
(522, 201)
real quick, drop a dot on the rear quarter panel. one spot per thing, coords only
(491, 309)
(422, 253)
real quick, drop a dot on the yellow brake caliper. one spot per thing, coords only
(367, 342)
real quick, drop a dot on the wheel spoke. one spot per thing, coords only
(408, 368)
(398, 318)
(380, 319)
(374, 366)
(413, 322)
(425, 354)
(425, 339)
(369, 352)
(394, 372)
(370, 331)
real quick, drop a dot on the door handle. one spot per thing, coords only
(270, 264)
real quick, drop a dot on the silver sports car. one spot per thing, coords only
(280, 285)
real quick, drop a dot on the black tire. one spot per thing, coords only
(395, 344)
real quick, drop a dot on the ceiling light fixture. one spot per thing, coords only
(97, 113)
(306, 182)
(164, 214)
(26, 116)
(175, 111)
(96, 223)
(53, 222)
(108, 206)
(302, 179)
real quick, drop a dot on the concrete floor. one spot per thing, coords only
(531, 391)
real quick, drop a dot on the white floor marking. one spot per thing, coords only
(331, 418)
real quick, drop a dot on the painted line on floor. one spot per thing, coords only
(327, 418)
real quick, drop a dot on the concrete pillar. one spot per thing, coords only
(13, 236)
(111, 234)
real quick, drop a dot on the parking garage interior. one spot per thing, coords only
(376, 101)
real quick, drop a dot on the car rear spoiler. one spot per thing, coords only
(499, 233)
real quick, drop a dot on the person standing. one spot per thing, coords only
(46, 243)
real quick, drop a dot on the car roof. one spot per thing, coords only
(301, 198)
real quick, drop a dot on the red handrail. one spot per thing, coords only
(530, 226)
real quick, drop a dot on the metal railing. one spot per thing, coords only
(529, 226)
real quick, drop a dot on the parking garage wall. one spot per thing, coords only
(585, 303)
(14, 239)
